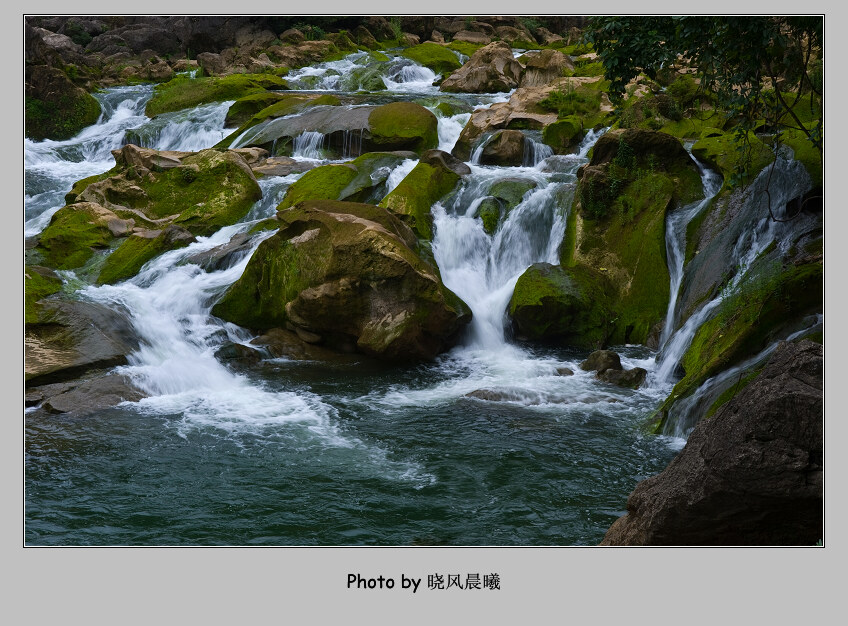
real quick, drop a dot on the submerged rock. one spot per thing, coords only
(347, 274)
(750, 475)
(81, 398)
(602, 360)
(632, 378)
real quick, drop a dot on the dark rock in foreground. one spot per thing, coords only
(750, 475)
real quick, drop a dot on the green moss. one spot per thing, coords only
(511, 190)
(211, 190)
(490, 212)
(729, 157)
(806, 153)
(416, 194)
(325, 183)
(403, 126)
(464, 47)
(279, 268)
(272, 223)
(437, 58)
(563, 134)
(132, 254)
(62, 117)
(565, 305)
(588, 68)
(692, 238)
(248, 106)
(38, 284)
(183, 92)
(728, 394)
(70, 238)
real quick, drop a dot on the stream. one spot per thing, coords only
(310, 453)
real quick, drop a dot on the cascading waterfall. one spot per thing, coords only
(309, 145)
(190, 131)
(685, 413)
(52, 167)
(788, 180)
(535, 151)
(675, 242)
(483, 269)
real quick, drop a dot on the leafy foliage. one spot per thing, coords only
(757, 67)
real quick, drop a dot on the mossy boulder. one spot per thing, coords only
(490, 212)
(564, 135)
(355, 181)
(564, 306)
(206, 191)
(183, 92)
(490, 69)
(619, 224)
(345, 275)
(244, 108)
(139, 248)
(55, 107)
(76, 231)
(438, 58)
(511, 190)
(425, 185)
(39, 282)
(403, 126)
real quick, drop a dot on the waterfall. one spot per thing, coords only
(309, 145)
(675, 242)
(483, 269)
(52, 167)
(410, 77)
(535, 151)
(190, 131)
(685, 413)
(756, 232)
(450, 128)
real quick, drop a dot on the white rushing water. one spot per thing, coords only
(675, 242)
(789, 180)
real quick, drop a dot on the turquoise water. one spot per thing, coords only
(357, 453)
(457, 471)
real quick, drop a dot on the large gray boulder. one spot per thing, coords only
(490, 69)
(750, 475)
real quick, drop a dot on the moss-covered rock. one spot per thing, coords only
(437, 58)
(138, 249)
(355, 181)
(345, 275)
(566, 306)
(183, 92)
(769, 302)
(76, 231)
(619, 229)
(39, 282)
(416, 194)
(55, 107)
(511, 190)
(725, 154)
(490, 211)
(244, 108)
(208, 190)
(403, 126)
(564, 134)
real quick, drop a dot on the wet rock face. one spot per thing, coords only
(491, 69)
(749, 475)
(71, 338)
(345, 275)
